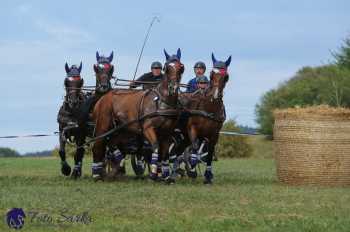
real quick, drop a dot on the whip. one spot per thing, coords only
(155, 18)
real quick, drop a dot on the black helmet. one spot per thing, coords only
(200, 64)
(156, 64)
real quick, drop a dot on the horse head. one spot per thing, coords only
(173, 70)
(104, 72)
(73, 83)
(219, 76)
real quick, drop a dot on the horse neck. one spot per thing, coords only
(163, 91)
(207, 101)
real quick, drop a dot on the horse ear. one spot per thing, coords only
(166, 55)
(67, 68)
(80, 66)
(97, 56)
(213, 58)
(110, 58)
(228, 61)
(178, 54)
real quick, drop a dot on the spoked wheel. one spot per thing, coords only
(202, 159)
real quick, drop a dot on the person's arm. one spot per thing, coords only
(189, 86)
(135, 84)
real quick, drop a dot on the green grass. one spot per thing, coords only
(245, 196)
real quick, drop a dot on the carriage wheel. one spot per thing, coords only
(201, 166)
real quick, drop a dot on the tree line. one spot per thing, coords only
(327, 84)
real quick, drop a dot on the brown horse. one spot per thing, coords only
(206, 114)
(151, 114)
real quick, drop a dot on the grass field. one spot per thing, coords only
(244, 197)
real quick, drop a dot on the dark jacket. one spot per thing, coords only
(148, 77)
(192, 85)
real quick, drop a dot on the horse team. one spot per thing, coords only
(162, 128)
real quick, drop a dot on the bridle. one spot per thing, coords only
(173, 81)
(218, 87)
(103, 73)
(73, 96)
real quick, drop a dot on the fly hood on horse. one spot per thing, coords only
(73, 83)
(104, 73)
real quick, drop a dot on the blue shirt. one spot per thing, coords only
(193, 85)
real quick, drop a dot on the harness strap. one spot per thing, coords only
(168, 113)
(205, 114)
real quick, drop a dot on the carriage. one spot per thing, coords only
(154, 126)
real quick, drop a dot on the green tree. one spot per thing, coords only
(233, 146)
(8, 152)
(327, 84)
(342, 57)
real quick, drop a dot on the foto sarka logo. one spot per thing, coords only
(15, 218)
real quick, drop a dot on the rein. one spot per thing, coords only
(144, 82)
(203, 113)
(169, 113)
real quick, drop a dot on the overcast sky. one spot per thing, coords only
(268, 40)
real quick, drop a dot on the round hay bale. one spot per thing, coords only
(312, 145)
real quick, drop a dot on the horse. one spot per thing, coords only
(204, 116)
(81, 105)
(151, 114)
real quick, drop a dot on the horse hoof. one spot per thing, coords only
(66, 169)
(169, 180)
(180, 172)
(139, 171)
(97, 178)
(154, 176)
(208, 181)
(76, 174)
(140, 177)
(122, 171)
(192, 174)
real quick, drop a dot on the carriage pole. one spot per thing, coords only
(144, 44)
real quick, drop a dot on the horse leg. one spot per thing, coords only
(117, 159)
(208, 174)
(65, 168)
(176, 158)
(193, 160)
(151, 136)
(78, 158)
(164, 151)
(139, 164)
(98, 167)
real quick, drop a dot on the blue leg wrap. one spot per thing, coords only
(193, 160)
(97, 169)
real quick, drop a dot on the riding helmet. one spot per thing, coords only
(200, 64)
(156, 64)
(202, 79)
